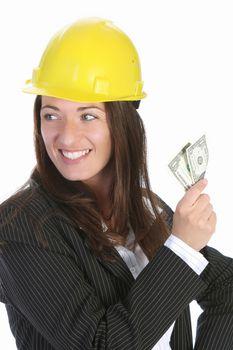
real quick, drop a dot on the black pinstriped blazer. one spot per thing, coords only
(59, 296)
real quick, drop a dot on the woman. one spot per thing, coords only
(90, 258)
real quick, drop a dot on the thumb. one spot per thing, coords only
(194, 192)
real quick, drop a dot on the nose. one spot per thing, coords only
(70, 134)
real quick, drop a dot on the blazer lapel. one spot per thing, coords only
(118, 267)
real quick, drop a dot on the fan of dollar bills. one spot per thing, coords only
(189, 165)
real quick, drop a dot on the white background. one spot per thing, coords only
(187, 64)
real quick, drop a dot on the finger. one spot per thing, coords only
(206, 212)
(213, 221)
(213, 218)
(202, 202)
(194, 192)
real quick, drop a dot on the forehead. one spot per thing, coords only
(66, 104)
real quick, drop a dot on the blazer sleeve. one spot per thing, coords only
(48, 287)
(215, 324)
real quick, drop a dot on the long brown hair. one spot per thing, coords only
(130, 196)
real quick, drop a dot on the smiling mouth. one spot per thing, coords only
(74, 155)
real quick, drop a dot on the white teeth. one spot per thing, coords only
(75, 155)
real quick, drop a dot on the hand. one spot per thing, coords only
(194, 220)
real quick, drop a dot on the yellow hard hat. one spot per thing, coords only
(90, 60)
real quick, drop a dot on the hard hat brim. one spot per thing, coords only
(78, 97)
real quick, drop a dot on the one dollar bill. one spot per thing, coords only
(190, 164)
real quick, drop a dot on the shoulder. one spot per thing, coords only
(31, 217)
(31, 201)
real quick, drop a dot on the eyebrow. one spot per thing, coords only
(78, 109)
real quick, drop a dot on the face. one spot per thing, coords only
(77, 139)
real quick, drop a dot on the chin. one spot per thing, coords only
(74, 177)
(71, 178)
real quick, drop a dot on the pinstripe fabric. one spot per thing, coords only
(60, 296)
(136, 261)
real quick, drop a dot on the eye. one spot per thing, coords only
(49, 116)
(88, 117)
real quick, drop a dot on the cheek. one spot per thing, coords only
(100, 137)
(47, 136)
(43, 135)
(104, 140)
